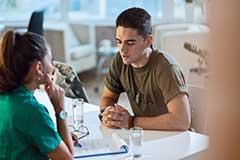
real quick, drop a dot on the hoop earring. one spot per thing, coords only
(40, 75)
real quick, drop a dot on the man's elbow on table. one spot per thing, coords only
(185, 125)
(180, 111)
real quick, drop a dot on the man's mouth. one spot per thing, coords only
(124, 56)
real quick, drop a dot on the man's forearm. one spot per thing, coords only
(163, 122)
(104, 102)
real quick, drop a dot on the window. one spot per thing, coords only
(20, 10)
(163, 10)
(109, 9)
(179, 9)
(89, 9)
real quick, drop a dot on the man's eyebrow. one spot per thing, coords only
(117, 39)
(128, 40)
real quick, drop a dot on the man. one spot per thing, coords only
(153, 81)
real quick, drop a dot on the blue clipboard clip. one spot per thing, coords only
(123, 149)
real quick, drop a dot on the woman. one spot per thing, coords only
(26, 129)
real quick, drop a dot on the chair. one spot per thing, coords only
(171, 38)
(36, 22)
(197, 99)
(72, 43)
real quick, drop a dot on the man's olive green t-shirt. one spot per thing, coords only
(26, 129)
(150, 87)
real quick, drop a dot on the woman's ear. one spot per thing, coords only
(37, 67)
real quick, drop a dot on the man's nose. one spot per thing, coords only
(123, 48)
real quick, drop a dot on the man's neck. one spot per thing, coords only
(144, 59)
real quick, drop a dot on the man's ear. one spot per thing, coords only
(149, 40)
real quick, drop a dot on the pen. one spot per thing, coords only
(77, 144)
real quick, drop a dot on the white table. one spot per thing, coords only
(158, 145)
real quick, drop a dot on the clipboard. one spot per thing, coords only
(101, 147)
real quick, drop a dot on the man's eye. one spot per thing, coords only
(118, 42)
(130, 43)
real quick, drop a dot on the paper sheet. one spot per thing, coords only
(96, 147)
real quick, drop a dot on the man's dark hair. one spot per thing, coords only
(136, 18)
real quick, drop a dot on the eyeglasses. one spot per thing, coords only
(79, 132)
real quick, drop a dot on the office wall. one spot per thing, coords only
(224, 97)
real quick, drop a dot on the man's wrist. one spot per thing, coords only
(100, 114)
(131, 122)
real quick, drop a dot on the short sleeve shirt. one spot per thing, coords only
(150, 87)
(26, 129)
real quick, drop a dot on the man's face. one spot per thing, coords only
(131, 45)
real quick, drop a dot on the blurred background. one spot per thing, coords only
(81, 34)
(162, 11)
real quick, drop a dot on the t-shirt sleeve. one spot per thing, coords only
(172, 82)
(42, 130)
(112, 79)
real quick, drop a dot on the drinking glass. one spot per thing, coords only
(78, 113)
(136, 141)
(79, 131)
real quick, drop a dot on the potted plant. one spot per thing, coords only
(202, 68)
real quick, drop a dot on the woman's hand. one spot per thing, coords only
(55, 93)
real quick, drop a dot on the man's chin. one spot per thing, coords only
(126, 62)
